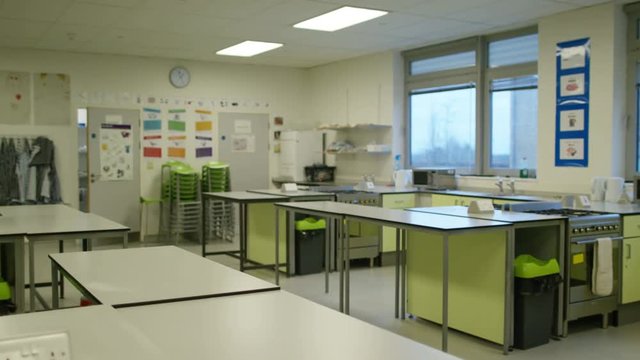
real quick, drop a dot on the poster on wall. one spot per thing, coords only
(15, 98)
(51, 99)
(116, 152)
(203, 133)
(151, 132)
(573, 60)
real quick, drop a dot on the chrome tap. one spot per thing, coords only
(500, 184)
(512, 185)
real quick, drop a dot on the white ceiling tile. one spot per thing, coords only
(120, 3)
(92, 14)
(23, 29)
(437, 8)
(395, 5)
(505, 12)
(40, 10)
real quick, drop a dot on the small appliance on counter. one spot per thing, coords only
(403, 179)
(435, 178)
(319, 173)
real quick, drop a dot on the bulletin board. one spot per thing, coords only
(573, 60)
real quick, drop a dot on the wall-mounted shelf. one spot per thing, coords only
(352, 126)
(360, 150)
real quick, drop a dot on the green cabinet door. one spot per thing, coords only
(476, 281)
(394, 201)
(631, 270)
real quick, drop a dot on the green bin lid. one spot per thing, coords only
(5, 290)
(310, 224)
(528, 267)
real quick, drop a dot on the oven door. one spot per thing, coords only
(581, 266)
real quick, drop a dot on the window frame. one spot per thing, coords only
(480, 74)
(633, 79)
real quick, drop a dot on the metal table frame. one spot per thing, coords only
(401, 239)
(241, 253)
(61, 236)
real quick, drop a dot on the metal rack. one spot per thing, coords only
(218, 215)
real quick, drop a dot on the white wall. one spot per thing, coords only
(364, 90)
(605, 26)
(284, 88)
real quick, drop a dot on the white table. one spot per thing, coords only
(243, 199)
(269, 325)
(58, 222)
(95, 332)
(142, 276)
(404, 221)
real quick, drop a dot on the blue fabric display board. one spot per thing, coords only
(572, 103)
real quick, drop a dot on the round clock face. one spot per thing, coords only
(179, 77)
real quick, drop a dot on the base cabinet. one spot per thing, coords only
(476, 281)
(394, 201)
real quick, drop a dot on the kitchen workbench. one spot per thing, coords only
(494, 322)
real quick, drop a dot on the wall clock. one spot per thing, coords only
(179, 77)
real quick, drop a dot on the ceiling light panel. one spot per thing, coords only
(249, 48)
(339, 19)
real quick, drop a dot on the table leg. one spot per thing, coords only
(19, 271)
(341, 262)
(61, 250)
(32, 278)
(347, 265)
(403, 273)
(276, 266)
(243, 234)
(205, 201)
(508, 294)
(125, 240)
(328, 233)
(445, 292)
(397, 290)
(54, 285)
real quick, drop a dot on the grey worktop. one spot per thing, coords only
(498, 215)
(622, 209)
(293, 194)
(394, 217)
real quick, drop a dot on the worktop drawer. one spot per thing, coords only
(631, 226)
(398, 201)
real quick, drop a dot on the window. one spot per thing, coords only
(514, 122)
(443, 127)
(473, 104)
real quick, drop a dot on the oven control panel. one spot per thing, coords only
(605, 228)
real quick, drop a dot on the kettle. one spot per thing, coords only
(403, 178)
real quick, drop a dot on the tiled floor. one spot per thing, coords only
(372, 301)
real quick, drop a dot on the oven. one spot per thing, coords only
(583, 234)
(364, 237)
(583, 229)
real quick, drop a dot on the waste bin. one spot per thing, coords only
(309, 253)
(535, 288)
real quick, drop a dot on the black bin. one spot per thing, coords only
(309, 250)
(535, 302)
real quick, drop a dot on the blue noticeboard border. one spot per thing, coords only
(570, 142)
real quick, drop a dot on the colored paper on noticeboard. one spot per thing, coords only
(177, 152)
(204, 152)
(204, 126)
(175, 125)
(152, 125)
(152, 152)
(204, 112)
(178, 138)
